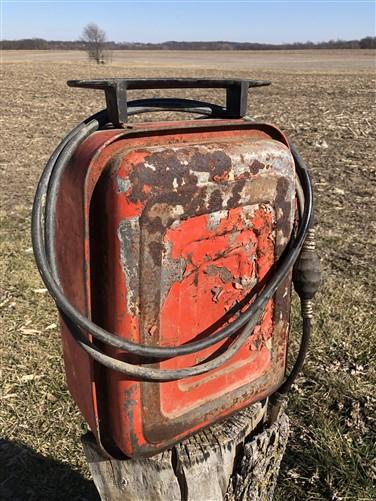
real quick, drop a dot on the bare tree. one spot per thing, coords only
(94, 39)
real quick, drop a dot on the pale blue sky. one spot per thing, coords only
(157, 21)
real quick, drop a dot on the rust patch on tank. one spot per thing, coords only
(255, 167)
(224, 274)
(215, 201)
(217, 163)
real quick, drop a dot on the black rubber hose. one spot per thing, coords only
(297, 367)
(171, 104)
(147, 373)
(49, 184)
(282, 268)
(279, 396)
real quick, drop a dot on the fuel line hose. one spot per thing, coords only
(238, 331)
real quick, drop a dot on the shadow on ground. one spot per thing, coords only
(26, 475)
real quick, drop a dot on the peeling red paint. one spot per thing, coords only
(168, 254)
(191, 307)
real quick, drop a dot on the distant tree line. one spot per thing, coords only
(41, 44)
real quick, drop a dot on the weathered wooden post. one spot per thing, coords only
(169, 249)
(236, 460)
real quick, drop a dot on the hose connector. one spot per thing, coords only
(306, 274)
(306, 278)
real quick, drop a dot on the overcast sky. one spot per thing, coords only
(274, 21)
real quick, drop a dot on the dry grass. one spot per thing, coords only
(331, 118)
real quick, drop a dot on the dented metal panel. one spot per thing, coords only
(182, 229)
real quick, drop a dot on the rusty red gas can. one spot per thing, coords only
(164, 234)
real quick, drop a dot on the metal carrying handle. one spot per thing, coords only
(117, 105)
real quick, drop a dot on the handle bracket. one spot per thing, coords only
(116, 93)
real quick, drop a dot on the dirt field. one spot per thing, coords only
(308, 61)
(325, 102)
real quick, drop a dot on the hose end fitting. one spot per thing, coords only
(306, 274)
(277, 403)
(306, 308)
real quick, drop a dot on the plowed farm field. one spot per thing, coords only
(325, 102)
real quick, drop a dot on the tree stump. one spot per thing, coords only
(234, 460)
